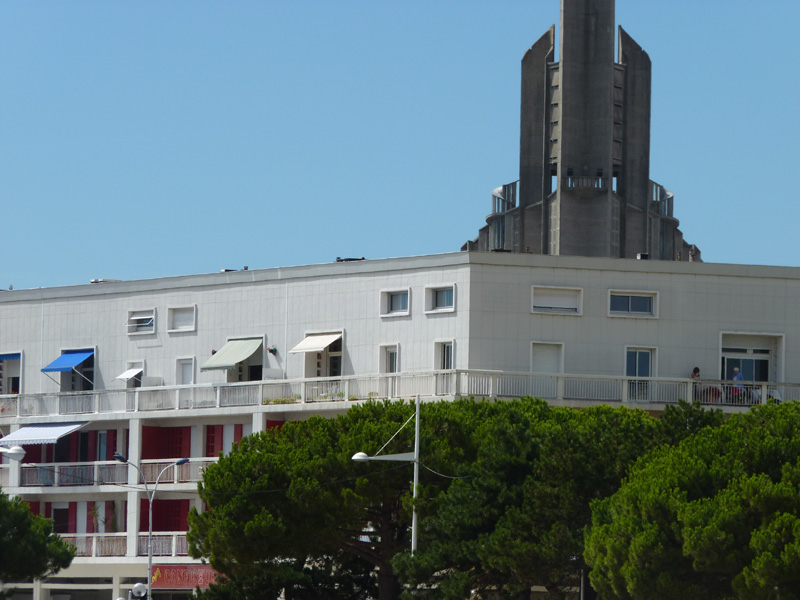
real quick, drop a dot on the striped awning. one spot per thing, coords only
(231, 354)
(317, 342)
(46, 433)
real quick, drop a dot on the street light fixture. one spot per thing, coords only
(14, 453)
(404, 457)
(150, 496)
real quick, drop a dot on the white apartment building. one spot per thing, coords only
(182, 367)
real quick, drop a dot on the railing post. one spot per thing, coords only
(491, 385)
(303, 391)
(219, 396)
(764, 393)
(97, 403)
(625, 388)
(690, 391)
(561, 385)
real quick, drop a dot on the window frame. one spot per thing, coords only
(560, 356)
(430, 298)
(438, 354)
(386, 302)
(653, 350)
(4, 376)
(557, 311)
(170, 316)
(654, 304)
(132, 319)
(385, 349)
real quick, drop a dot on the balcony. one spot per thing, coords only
(108, 473)
(575, 390)
(93, 545)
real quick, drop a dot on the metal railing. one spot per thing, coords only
(446, 384)
(97, 544)
(106, 473)
(164, 544)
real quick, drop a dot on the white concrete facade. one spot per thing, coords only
(574, 330)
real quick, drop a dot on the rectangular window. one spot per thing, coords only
(399, 302)
(182, 318)
(141, 321)
(395, 303)
(443, 298)
(445, 356)
(633, 304)
(546, 357)
(639, 363)
(557, 300)
(440, 299)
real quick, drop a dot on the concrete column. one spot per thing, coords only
(259, 422)
(134, 448)
(116, 592)
(196, 441)
(133, 524)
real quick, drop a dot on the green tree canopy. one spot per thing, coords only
(717, 517)
(28, 546)
(290, 506)
(504, 497)
(518, 519)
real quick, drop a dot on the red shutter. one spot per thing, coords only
(73, 517)
(111, 444)
(89, 518)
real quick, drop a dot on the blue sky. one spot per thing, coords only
(150, 139)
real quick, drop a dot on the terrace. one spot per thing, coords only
(312, 393)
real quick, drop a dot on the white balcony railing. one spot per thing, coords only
(447, 384)
(97, 544)
(106, 473)
(164, 544)
(170, 543)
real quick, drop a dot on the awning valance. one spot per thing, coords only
(10, 356)
(67, 361)
(317, 342)
(231, 354)
(46, 433)
(129, 374)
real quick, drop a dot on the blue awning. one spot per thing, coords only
(67, 361)
(10, 356)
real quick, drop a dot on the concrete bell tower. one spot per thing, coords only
(584, 184)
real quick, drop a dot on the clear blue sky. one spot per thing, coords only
(149, 139)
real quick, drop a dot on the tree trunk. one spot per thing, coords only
(388, 588)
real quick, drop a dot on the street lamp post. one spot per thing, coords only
(150, 496)
(404, 457)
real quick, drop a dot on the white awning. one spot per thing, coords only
(46, 433)
(317, 342)
(129, 374)
(232, 354)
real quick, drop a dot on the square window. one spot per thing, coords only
(398, 302)
(182, 318)
(395, 303)
(443, 298)
(141, 321)
(440, 299)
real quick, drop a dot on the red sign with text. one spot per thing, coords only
(182, 577)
